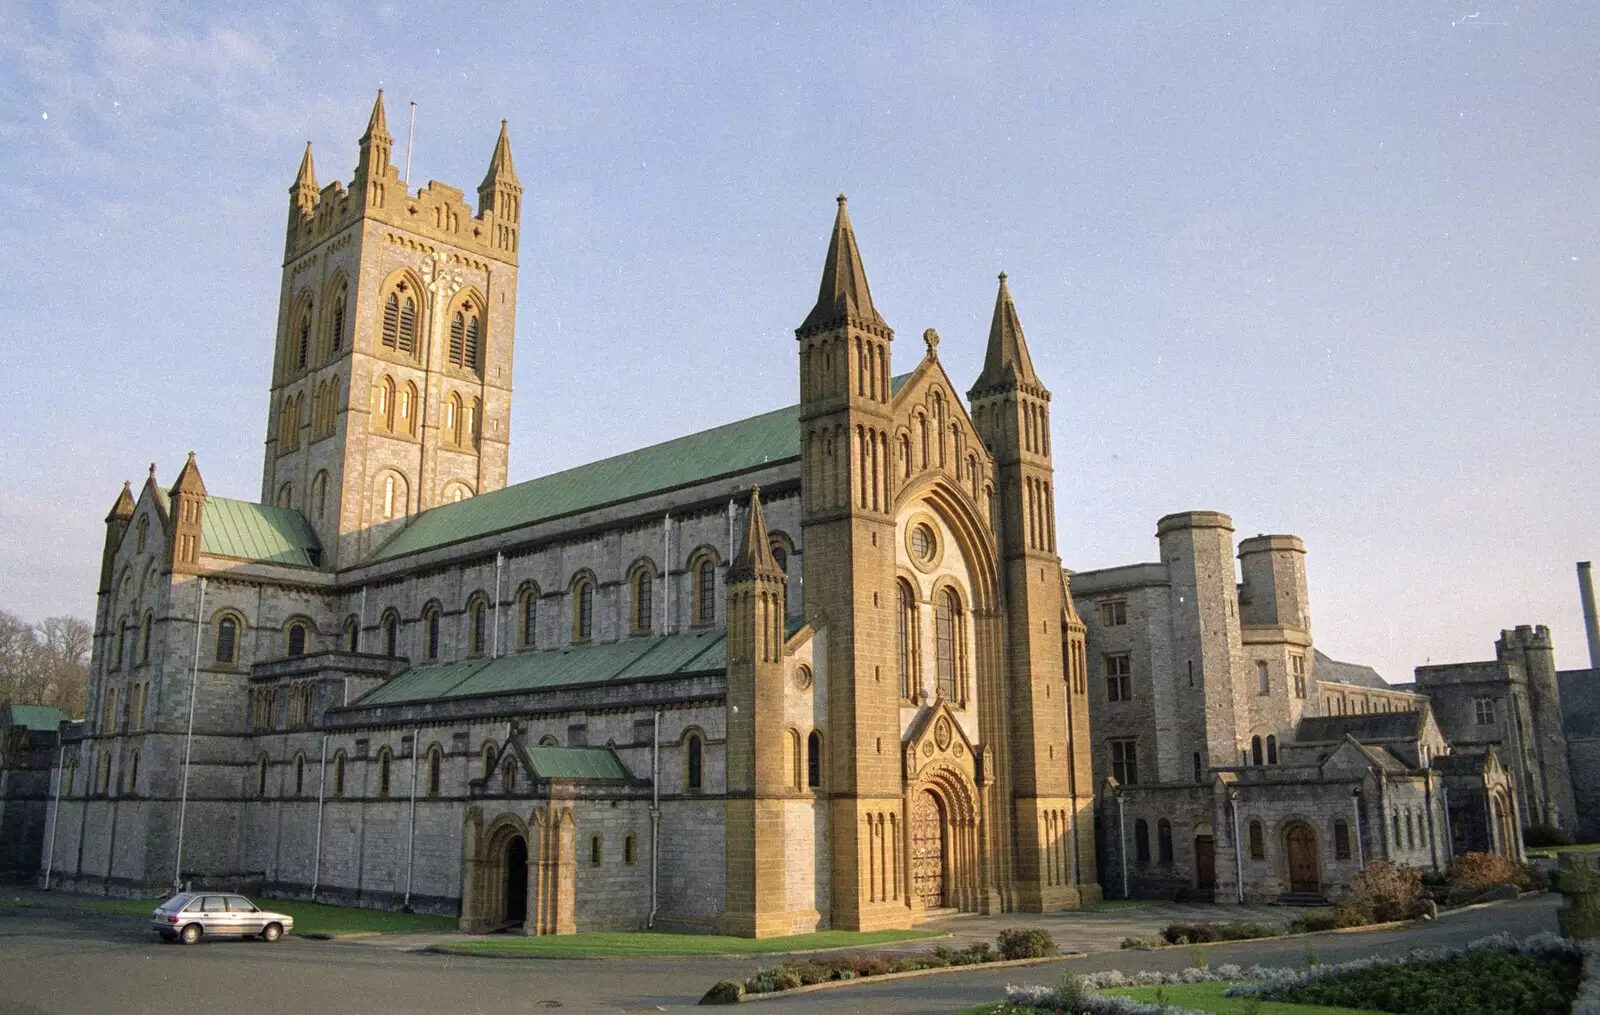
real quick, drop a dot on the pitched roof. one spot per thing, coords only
(1348, 673)
(1006, 361)
(843, 294)
(40, 718)
(577, 763)
(671, 655)
(257, 532)
(1365, 728)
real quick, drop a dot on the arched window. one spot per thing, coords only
(383, 404)
(582, 609)
(430, 624)
(705, 591)
(814, 760)
(1341, 840)
(1199, 768)
(227, 648)
(435, 769)
(530, 616)
(391, 635)
(454, 420)
(143, 529)
(594, 850)
(388, 496)
(409, 410)
(289, 424)
(297, 640)
(549, 740)
(643, 600)
(144, 639)
(1141, 842)
(1396, 829)
(261, 776)
(1272, 750)
(508, 776)
(1258, 840)
(1164, 842)
(458, 338)
(400, 320)
(694, 757)
(473, 360)
(486, 754)
(793, 761)
(470, 429)
(780, 556)
(385, 767)
(352, 635)
(299, 775)
(338, 774)
(947, 632)
(906, 639)
(302, 339)
(133, 773)
(336, 319)
(1255, 751)
(286, 495)
(1411, 835)
(630, 850)
(391, 321)
(477, 627)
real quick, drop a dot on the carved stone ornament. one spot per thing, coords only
(941, 733)
(931, 338)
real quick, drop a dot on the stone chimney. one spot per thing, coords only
(1591, 625)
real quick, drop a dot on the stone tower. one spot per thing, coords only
(756, 863)
(391, 382)
(1011, 410)
(1206, 705)
(1548, 797)
(850, 564)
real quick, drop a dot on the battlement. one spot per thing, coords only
(1526, 636)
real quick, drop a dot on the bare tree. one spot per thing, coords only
(45, 663)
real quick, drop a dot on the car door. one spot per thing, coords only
(246, 916)
(214, 916)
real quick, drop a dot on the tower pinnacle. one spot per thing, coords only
(844, 294)
(754, 556)
(1007, 361)
(501, 192)
(377, 123)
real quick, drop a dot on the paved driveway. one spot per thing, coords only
(62, 960)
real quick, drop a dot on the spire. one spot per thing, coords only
(377, 124)
(500, 168)
(755, 553)
(189, 480)
(1007, 361)
(123, 508)
(844, 294)
(307, 176)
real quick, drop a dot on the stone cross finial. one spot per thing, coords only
(931, 337)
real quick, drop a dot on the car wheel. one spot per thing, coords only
(190, 934)
(271, 932)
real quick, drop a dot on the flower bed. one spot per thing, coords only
(1017, 943)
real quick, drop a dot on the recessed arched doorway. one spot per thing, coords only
(516, 883)
(1304, 870)
(1205, 863)
(928, 841)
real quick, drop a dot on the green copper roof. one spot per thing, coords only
(697, 458)
(274, 535)
(620, 661)
(577, 763)
(40, 718)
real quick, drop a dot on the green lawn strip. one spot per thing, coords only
(313, 918)
(625, 944)
(1199, 996)
(15, 903)
(1550, 851)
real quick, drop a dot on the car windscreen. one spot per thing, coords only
(176, 903)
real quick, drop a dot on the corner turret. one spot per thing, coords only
(188, 497)
(117, 522)
(373, 169)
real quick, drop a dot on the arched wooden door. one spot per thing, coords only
(1304, 873)
(1205, 863)
(928, 850)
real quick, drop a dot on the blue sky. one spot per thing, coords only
(1329, 268)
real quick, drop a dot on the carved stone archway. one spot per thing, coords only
(544, 848)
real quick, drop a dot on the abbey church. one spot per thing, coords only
(818, 668)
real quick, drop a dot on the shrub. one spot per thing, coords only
(724, 992)
(1211, 933)
(1489, 982)
(1025, 943)
(1385, 891)
(1537, 836)
(1144, 942)
(1479, 872)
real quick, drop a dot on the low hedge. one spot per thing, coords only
(1211, 933)
(1017, 943)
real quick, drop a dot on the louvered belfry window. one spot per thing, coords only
(458, 339)
(474, 345)
(408, 325)
(391, 321)
(337, 339)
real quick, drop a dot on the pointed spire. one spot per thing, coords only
(1007, 361)
(307, 176)
(378, 123)
(123, 508)
(500, 168)
(843, 294)
(189, 480)
(755, 552)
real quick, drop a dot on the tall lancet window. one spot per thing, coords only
(948, 634)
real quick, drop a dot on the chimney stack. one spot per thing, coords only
(1591, 625)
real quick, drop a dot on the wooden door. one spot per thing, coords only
(1205, 863)
(927, 850)
(1303, 873)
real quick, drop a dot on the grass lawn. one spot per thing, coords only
(1582, 847)
(16, 903)
(613, 944)
(1199, 996)
(312, 918)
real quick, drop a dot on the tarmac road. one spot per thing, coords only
(56, 959)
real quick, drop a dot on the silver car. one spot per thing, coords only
(189, 916)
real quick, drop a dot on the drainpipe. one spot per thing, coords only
(1427, 802)
(1238, 849)
(499, 563)
(655, 819)
(1361, 849)
(361, 623)
(1122, 844)
(666, 573)
(55, 813)
(411, 825)
(188, 738)
(1449, 829)
(322, 784)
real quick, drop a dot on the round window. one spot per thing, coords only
(922, 544)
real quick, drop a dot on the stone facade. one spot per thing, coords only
(813, 669)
